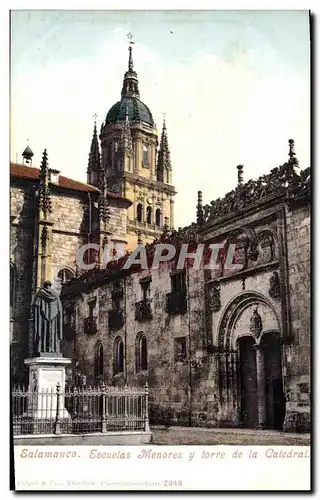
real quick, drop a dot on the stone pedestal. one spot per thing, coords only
(46, 372)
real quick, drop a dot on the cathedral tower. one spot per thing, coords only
(133, 165)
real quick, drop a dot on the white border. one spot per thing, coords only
(4, 198)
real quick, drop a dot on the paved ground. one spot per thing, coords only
(198, 436)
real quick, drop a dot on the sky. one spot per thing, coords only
(234, 85)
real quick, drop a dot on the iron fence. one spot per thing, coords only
(79, 410)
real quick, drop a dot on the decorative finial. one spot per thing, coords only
(291, 149)
(130, 87)
(131, 42)
(95, 116)
(240, 175)
(293, 160)
(200, 218)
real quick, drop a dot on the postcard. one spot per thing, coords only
(160, 204)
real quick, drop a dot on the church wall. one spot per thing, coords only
(298, 352)
(22, 203)
(170, 381)
(68, 234)
(118, 222)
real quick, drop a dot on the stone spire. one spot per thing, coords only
(94, 163)
(44, 224)
(164, 161)
(130, 87)
(44, 190)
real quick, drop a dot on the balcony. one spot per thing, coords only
(90, 325)
(116, 319)
(143, 310)
(143, 225)
(176, 302)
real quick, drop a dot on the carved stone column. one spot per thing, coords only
(261, 386)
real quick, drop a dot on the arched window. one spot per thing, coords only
(145, 159)
(141, 353)
(65, 274)
(13, 284)
(118, 355)
(109, 156)
(139, 212)
(98, 361)
(158, 216)
(149, 215)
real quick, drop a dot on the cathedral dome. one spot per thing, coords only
(136, 109)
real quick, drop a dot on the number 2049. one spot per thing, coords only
(172, 482)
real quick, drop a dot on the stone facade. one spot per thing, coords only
(74, 221)
(218, 347)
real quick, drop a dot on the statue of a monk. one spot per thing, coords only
(47, 320)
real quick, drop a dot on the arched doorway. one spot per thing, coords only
(275, 398)
(248, 383)
(250, 390)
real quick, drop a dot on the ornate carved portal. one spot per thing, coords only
(248, 364)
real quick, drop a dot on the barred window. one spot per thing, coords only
(141, 353)
(118, 355)
(98, 362)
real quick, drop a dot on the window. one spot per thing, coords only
(180, 349)
(13, 283)
(149, 215)
(92, 305)
(98, 361)
(118, 355)
(160, 175)
(109, 156)
(116, 295)
(158, 216)
(65, 274)
(139, 212)
(145, 288)
(145, 161)
(178, 282)
(141, 353)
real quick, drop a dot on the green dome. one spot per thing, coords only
(137, 111)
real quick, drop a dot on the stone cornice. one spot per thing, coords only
(143, 181)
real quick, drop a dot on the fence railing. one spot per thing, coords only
(79, 410)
